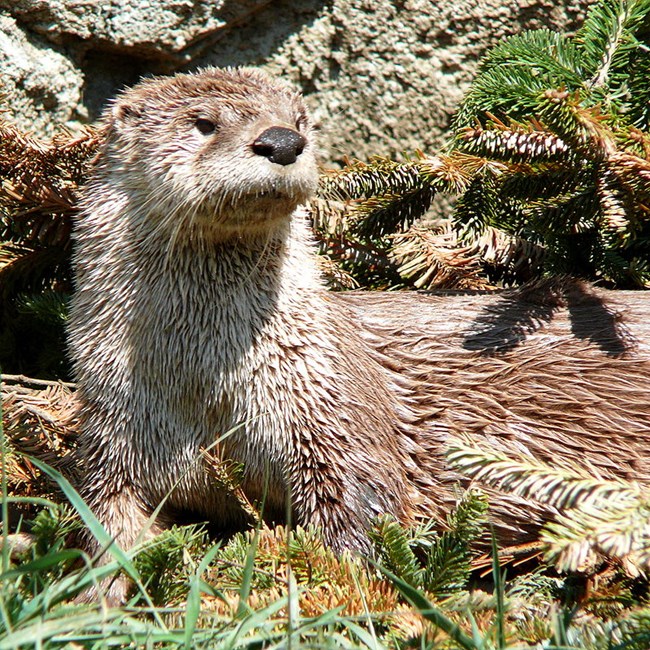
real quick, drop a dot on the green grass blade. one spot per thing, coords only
(476, 633)
(193, 607)
(429, 611)
(63, 590)
(247, 578)
(42, 563)
(33, 636)
(69, 586)
(293, 598)
(330, 618)
(100, 533)
(499, 592)
(253, 621)
(366, 610)
(36, 501)
(366, 637)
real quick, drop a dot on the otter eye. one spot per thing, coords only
(205, 126)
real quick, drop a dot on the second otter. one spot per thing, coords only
(200, 312)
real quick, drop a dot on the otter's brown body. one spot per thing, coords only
(200, 311)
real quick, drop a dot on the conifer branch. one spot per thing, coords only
(560, 487)
(598, 516)
(434, 258)
(613, 40)
(379, 177)
(514, 145)
(607, 30)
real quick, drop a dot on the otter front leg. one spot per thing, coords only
(342, 517)
(342, 501)
(126, 519)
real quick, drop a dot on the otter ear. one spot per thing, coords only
(125, 113)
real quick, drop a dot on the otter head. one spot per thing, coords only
(229, 150)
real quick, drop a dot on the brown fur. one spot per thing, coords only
(200, 312)
(559, 371)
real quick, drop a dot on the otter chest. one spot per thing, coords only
(208, 356)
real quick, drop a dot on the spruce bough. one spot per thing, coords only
(549, 161)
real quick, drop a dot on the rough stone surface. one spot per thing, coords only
(149, 28)
(40, 86)
(381, 76)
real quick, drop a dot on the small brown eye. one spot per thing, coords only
(206, 127)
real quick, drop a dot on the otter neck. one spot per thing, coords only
(244, 267)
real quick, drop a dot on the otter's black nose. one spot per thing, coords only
(280, 145)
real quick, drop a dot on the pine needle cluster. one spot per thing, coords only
(595, 517)
(38, 195)
(550, 148)
(368, 220)
(38, 420)
(439, 563)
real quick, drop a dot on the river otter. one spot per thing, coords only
(200, 313)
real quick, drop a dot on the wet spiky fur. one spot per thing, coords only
(189, 322)
(200, 313)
